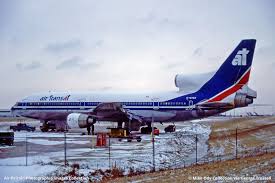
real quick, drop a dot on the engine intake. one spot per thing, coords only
(179, 81)
(189, 83)
(76, 120)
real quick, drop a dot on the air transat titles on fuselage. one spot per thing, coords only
(55, 98)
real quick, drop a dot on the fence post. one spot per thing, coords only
(153, 140)
(26, 150)
(184, 163)
(109, 152)
(196, 148)
(236, 143)
(155, 102)
(65, 149)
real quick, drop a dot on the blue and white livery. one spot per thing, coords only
(227, 89)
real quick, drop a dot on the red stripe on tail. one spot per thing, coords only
(232, 90)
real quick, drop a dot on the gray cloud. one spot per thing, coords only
(168, 64)
(264, 49)
(32, 66)
(197, 51)
(76, 62)
(177, 24)
(149, 18)
(58, 47)
(174, 65)
(266, 52)
(162, 21)
(124, 33)
(214, 59)
(99, 43)
(106, 88)
(69, 63)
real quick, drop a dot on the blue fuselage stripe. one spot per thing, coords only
(85, 108)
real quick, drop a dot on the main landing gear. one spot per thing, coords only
(91, 127)
(147, 129)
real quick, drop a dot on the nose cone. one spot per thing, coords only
(13, 110)
(13, 107)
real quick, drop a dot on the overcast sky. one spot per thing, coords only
(127, 45)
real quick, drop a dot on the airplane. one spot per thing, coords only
(226, 90)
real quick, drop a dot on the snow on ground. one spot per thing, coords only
(171, 150)
(6, 147)
(21, 172)
(269, 120)
(45, 142)
(15, 169)
(47, 138)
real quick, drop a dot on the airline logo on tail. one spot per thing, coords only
(240, 58)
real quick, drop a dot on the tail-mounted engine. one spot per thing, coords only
(244, 97)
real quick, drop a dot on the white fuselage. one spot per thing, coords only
(57, 105)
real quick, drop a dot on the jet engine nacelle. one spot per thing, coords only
(179, 81)
(190, 83)
(244, 97)
(77, 120)
(242, 100)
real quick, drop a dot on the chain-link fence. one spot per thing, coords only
(172, 150)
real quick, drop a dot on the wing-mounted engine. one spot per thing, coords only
(79, 120)
(244, 97)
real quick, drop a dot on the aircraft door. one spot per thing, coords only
(155, 105)
(190, 104)
(82, 103)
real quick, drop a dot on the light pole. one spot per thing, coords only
(152, 126)
(109, 152)
(65, 149)
(196, 140)
(26, 149)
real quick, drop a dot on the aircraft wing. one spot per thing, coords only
(108, 106)
(114, 110)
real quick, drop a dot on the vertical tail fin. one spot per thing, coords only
(233, 73)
